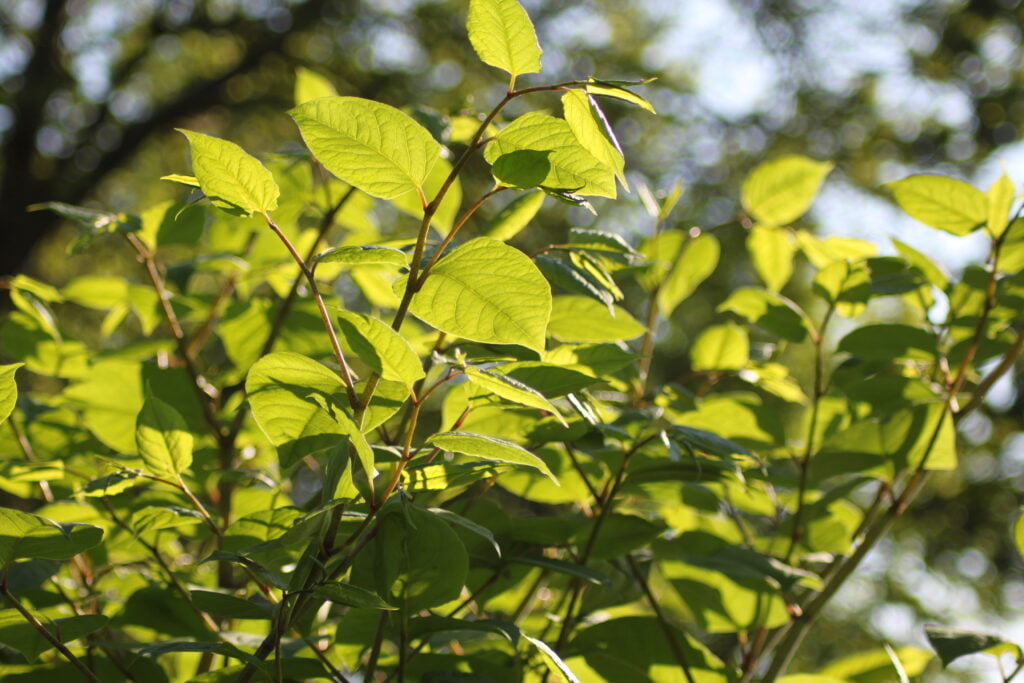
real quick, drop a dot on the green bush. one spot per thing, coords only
(426, 457)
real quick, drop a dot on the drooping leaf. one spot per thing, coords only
(8, 390)
(502, 34)
(780, 191)
(489, 448)
(952, 643)
(515, 216)
(362, 255)
(942, 202)
(370, 145)
(772, 251)
(228, 175)
(562, 567)
(350, 596)
(489, 292)
(27, 535)
(706, 442)
(570, 166)
(555, 662)
(163, 439)
(582, 319)
(511, 389)
(576, 108)
(465, 523)
(380, 347)
(721, 347)
(609, 89)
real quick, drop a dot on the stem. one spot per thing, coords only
(346, 374)
(670, 637)
(45, 633)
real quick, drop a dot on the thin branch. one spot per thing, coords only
(670, 637)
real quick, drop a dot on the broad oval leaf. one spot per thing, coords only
(511, 389)
(887, 341)
(771, 250)
(226, 173)
(502, 34)
(942, 202)
(721, 347)
(489, 448)
(488, 292)
(8, 390)
(380, 347)
(309, 85)
(780, 191)
(26, 535)
(370, 145)
(571, 166)
(696, 261)
(365, 254)
(582, 319)
(163, 439)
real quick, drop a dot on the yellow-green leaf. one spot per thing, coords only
(771, 249)
(1000, 201)
(576, 106)
(489, 448)
(721, 347)
(370, 145)
(380, 347)
(8, 390)
(582, 319)
(941, 202)
(163, 439)
(309, 85)
(503, 36)
(780, 191)
(228, 175)
(511, 389)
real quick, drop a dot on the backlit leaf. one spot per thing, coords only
(503, 36)
(721, 347)
(780, 191)
(489, 448)
(8, 390)
(942, 202)
(227, 174)
(510, 389)
(380, 347)
(163, 439)
(581, 319)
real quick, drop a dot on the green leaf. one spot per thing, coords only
(571, 166)
(773, 312)
(550, 379)
(350, 596)
(582, 319)
(300, 406)
(772, 251)
(1000, 201)
(225, 605)
(366, 254)
(8, 390)
(705, 441)
(523, 169)
(576, 108)
(163, 439)
(19, 635)
(27, 535)
(952, 643)
(181, 178)
(562, 567)
(695, 262)
(448, 211)
(309, 85)
(370, 145)
(941, 202)
(489, 292)
(459, 520)
(265, 575)
(780, 191)
(512, 390)
(931, 271)
(513, 217)
(415, 561)
(227, 175)
(607, 89)
(889, 341)
(460, 628)
(380, 347)
(489, 448)
(502, 34)
(875, 666)
(555, 662)
(721, 347)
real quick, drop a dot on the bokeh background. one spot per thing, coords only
(90, 91)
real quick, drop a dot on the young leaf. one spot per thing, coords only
(721, 347)
(515, 216)
(502, 34)
(370, 145)
(489, 448)
(309, 85)
(8, 390)
(511, 390)
(228, 175)
(182, 179)
(1000, 201)
(571, 166)
(363, 255)
(380, 347)
(780, 191)
(582, 319)
(576, 108)
(163, 439)
(941, 202)
(489, 292)
(771, 250)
